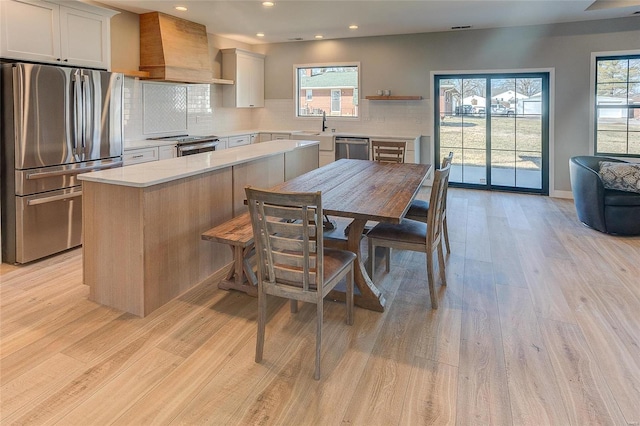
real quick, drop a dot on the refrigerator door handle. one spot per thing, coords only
(44, 175)
(78, 112)
(53, 198)
(87, 119)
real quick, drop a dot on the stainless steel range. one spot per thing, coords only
(189, 145)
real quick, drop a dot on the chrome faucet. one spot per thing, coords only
(324, 121)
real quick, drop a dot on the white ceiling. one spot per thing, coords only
(289, 19)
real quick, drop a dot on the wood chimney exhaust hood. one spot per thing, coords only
(174, 49)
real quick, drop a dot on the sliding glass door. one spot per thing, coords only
(497, 127)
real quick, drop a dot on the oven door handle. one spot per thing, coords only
(53, 198)
(352, 141)
(192, 147)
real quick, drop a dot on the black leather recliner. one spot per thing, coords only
(606, 210)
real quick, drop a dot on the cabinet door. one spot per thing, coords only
(30, 31)
(243, 81)
(256, 96)
(264, 137)
(280, 136)
(222, 144)
(239, 140)
(165, 152)
(142, 155)
(84, 38)
(247, 71)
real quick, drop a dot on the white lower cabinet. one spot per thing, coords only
(223, 143)
(239, 140)
(326, 157)
(140, 155)
(280, 136)
(264, 137)
(167, 151)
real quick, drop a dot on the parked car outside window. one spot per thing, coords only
(497, 109)
(463, 110)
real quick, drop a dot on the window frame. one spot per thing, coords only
(594, 107)
(356, 92)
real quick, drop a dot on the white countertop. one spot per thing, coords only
(156, 172)
(129, 145)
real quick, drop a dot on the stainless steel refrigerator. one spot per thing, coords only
(57, 122)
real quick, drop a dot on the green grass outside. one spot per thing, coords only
(515, 141)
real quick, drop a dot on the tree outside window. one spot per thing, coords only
(617, 105)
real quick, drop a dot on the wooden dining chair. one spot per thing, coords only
(388, 151)
(416, 236)
(419, 208)
(292, 260)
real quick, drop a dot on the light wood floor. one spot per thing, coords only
(539, 324)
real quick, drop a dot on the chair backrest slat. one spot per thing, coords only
(388, 151)
(446, 161)
(436, 204)
(288, 230)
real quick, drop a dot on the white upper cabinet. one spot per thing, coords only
(42, 31)
(246, 69)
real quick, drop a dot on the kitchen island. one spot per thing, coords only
(142, 224)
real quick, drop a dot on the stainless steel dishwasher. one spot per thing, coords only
(354, 148)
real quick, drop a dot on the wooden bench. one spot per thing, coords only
(238, 234)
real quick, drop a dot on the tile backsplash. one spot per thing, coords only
(159, 109)
(154, 109)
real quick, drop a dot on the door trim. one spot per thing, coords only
(552, 91)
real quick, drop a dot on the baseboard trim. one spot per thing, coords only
(561, 194)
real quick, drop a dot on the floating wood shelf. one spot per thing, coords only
(221, 81)
(394, 98)
(132, 73)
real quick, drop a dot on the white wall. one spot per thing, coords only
(403, 64)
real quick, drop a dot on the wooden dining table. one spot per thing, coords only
(363, 191)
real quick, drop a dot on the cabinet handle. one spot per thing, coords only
(138, 156)
(66, 60)
(58, 59)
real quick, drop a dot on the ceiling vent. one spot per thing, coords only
(174, 49)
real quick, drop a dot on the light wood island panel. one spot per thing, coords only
(142, 224)
(264, 173)
(145, 248)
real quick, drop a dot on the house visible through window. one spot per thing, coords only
(617, 105)
(330, 89)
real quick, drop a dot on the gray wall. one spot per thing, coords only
(403, 64)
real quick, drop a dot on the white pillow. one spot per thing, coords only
(620, 176)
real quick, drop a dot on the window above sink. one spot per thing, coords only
(327, 89)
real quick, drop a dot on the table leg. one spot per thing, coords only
(369, 296)
(243, 277)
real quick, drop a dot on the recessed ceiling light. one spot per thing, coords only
(260, 34)
(353, 27)
(319, 36)
(181, 8)
(268, 3)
